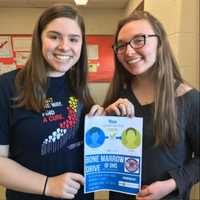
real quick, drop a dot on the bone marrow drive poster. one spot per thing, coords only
(113, 154)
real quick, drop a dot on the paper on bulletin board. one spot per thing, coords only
(92, 67)
(4, 68)
(5, 47)
(21, 43)
(93, 54)
(100, 58)
(113, 154)
(93, 51)
(21, 58)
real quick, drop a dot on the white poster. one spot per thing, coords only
(113, 154)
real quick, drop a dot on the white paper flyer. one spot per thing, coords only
(113, 154)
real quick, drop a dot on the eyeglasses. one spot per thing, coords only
(136, 43)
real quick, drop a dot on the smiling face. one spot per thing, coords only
(138, 61)
(61, 45)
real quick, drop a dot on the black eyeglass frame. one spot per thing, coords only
(145, 36)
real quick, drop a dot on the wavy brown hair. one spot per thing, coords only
(165, 73)
(32, 80)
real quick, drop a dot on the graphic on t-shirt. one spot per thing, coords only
(65, 130)
(95, 137)
(131, 138)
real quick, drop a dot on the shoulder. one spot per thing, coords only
(7, 77)
(187, 90)
(7, 83)
(189, 95)
(182, 89)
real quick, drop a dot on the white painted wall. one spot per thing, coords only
(132, 4)
(181, 20)
(22, 20)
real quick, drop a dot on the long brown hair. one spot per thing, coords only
(165, 73)
(31, 81)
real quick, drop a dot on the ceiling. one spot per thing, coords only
(115, 4)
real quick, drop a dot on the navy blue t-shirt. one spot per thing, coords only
(50, 142)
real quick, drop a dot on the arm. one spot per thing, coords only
(15, 176)
(189, 174)
(157, 190)
(11, 172)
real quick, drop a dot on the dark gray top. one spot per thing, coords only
(180, 162)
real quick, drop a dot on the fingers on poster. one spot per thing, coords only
(130, 138)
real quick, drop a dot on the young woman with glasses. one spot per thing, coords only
(146, 74)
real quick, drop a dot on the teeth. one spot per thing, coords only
(63, 57)
(133, 60)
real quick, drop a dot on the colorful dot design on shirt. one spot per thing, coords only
(72, 114)
(66, 130)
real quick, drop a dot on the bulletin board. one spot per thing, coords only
(100, 57)
(15, 51)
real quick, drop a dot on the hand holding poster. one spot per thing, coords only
(113, 154)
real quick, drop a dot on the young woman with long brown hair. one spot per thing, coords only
(146, 74)
(42, 108)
